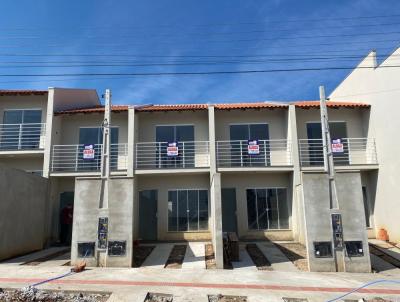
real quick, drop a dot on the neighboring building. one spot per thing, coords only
(378, 85)
(199, 169)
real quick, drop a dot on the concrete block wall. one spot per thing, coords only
(318, 220)
(22, 212)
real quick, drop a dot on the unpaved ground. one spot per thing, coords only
(176, 256)
(209, 256)
(259, 259)
(31, 294)
(155, 297)
(296, 253)
(222, 298)
(140, 254)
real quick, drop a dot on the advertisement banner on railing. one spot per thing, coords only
(337, 146)
(88, 152)
(253, 148)
(172, 149)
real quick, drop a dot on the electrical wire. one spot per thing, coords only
(364, 286)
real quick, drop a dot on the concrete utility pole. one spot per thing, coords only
(105, 160)
(336, 218)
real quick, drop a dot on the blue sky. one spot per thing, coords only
(64, 37)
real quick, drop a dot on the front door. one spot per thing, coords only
(228, 198)
(65, 219)
(148, 215)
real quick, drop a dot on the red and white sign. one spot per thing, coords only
(253, 148)
(172, 149)
(88, 152)
(337, 146)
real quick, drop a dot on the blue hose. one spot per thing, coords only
(52, 279)
(363, 286)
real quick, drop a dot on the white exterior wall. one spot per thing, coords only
(241, 182)
(172, 182)
(379, 87)
(23, 102)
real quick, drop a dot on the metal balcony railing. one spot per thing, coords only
(22, 136)
(157, 155)
(236, 153)
(69, 158)
(356, 151)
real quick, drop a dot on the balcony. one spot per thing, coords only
(22, 137)
(356, 151)
(70, 158)
(268, 153)
(163, 155)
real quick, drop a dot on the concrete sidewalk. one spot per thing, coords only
(195, 285)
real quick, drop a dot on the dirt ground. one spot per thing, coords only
(31, 294)
(155, 297)
(258, 257)
(176, 256)
(210, 257)
(296, 253)
(140, 254)
(221, 298)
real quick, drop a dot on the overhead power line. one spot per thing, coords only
(196, 72)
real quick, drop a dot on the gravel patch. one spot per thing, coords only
(32, 294)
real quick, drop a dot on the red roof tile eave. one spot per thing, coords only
(22, 92)
(331, 104)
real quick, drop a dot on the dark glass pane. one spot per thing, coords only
(262, 209)
(89, 136)
(366, 206)
(185, 138)
(273, 209)
(31, 129)
(251, 209)
(164, 135)
(259, 131)
(239, 135)
(315, 146)
(193, 206)
(172, 211)
(203, 210)
(13, 117)
(283, 209)
(338, 130)
(184, 133)
(182, 210)
(32, 116)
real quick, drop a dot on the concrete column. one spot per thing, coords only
(215, 194)
(131, 141)
(49, 133)
(298, 220)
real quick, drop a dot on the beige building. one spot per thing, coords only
(199, 170)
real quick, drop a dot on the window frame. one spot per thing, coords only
(198, 211)
(279, 223)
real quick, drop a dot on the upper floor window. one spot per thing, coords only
(21, 129)
(94, 135)
(182, 138)
(338, 131)
(240, 136)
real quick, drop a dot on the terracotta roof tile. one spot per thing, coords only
(176, 107)
(22, 92)
(99, 109)
(331, 104)
(249, 106)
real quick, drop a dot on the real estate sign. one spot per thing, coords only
(88, 152)
(337, 146)
(172, 149)
(253, 148)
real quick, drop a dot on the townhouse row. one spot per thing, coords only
(261, 151)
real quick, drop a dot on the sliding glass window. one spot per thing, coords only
(187, 210)
(267, 208)
(21, 129)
